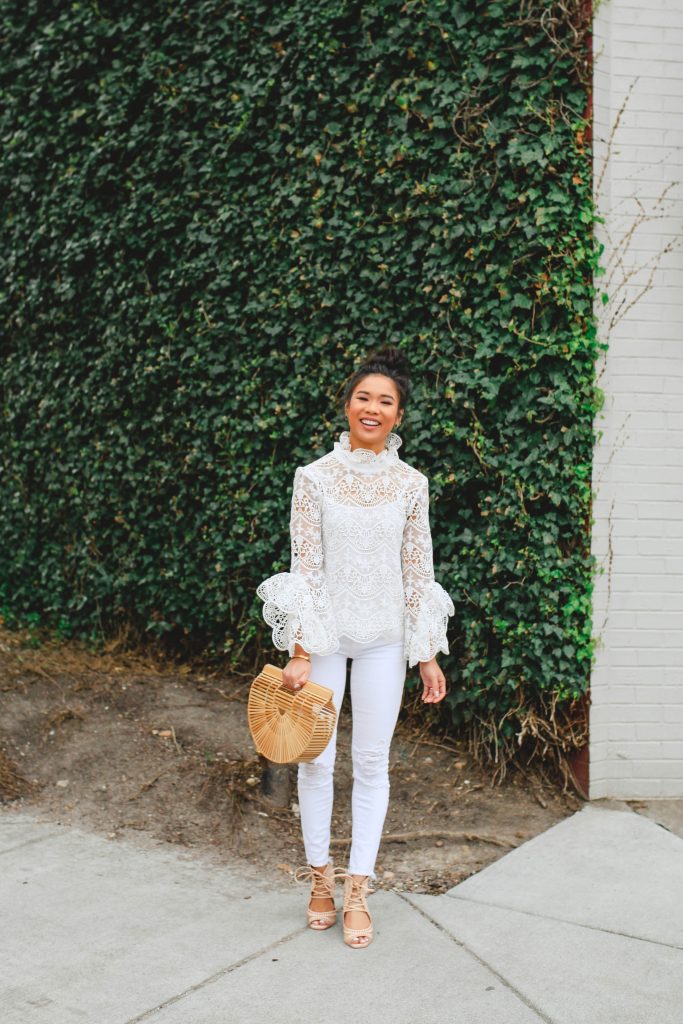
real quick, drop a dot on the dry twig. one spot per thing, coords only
(410, 837)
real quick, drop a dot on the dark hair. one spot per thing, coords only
(391, 363)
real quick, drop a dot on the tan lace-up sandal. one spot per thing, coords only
(355, 892)
(323, 885)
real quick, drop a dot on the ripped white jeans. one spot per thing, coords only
(378, 672)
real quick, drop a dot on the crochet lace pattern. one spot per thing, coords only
(361, 557)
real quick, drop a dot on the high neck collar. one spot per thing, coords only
(365, 458)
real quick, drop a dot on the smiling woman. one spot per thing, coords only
(376, 397)
(371, 412)
(361, 586)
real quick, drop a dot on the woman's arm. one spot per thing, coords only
(427, 605)
(297, 604)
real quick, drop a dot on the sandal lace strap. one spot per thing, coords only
(322, 885)
(354, 897)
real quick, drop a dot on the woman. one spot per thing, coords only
(361, 586)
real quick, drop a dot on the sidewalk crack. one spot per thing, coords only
(29, 842)
(146, 1014)
(564, 920)
(475, 956)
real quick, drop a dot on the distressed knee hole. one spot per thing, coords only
(372, 766)
(315, 775)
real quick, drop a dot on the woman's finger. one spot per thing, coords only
(434, 692)
(294, 683)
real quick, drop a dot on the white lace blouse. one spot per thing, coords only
(361, 558)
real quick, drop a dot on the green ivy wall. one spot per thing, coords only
(210, 212)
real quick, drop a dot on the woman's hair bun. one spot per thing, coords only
(391, 357)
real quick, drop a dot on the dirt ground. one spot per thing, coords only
(130, 747)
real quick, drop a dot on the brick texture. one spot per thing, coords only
(636, 716)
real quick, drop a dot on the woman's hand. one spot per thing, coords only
(433, 680)
(295, 673)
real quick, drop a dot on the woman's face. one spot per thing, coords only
(373, 412)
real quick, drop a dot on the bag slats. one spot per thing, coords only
(288, 727)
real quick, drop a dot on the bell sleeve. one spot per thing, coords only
(296, 603)
(427, 605)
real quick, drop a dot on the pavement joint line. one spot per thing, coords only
(565, 920)
(660, 824)
(29, 842)
(146, 1014)
(475, 956)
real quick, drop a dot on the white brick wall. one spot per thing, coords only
(636, 717)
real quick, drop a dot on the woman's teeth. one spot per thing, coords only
(370, 423)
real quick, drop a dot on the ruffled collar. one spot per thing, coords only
(365, 458)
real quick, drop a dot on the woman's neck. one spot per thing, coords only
(376, 447)
(367, 447)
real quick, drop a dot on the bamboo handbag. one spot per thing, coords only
(286, 726)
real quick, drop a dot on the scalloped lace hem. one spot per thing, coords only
(295, 616)
(426, 634)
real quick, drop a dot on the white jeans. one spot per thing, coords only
(378, 674)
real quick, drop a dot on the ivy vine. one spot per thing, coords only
(210, 212)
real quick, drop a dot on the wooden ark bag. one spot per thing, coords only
(286, 726)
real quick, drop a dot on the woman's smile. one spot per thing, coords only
(371, 429)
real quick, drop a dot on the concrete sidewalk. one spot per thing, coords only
(583, 923)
